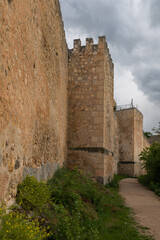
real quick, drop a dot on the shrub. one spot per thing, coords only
(144, 179)
(150, 158)
(15, 226)
(32, 194)
(61, 205)
(69, 193)
(151, 162)
(66, 181)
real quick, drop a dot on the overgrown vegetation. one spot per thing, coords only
(69, 207)
(150, 158)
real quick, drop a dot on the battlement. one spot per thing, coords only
(91, 48)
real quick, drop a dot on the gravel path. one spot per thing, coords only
(145, 204)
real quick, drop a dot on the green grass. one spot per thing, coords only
(117, 220)
(113, 219)
(71, 207)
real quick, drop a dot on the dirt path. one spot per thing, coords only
(145, 204)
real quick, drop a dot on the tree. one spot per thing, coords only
(147, 134)
(150, 158)
(156, 130)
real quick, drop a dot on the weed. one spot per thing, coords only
(17, 226)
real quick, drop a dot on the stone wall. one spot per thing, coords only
(91, 118)
(131, 141)
(126, 134)
(33, 91)
(138, 141)
(146, 142)
(111, 127)
(35, 101)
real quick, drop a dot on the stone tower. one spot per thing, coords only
(131, 142)
(93, 129)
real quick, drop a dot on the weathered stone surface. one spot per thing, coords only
(146, 142)
(4, 179)
(126, 128)
(33, 89)
(43, 172)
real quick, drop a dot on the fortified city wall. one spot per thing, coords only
(33, 91)
(51, 97)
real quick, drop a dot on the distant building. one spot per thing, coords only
(154, 138)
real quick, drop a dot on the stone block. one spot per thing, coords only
(98, 133)
(99, 57)
(101, 114)
(99, 69)
(100, 82)
(101, 63)
(101, 88)
(95, 114)
(100, 94)
(99, 144)
(98, 120)
(99, 108)
(95, 82)
(101, 76)
(99, 172)
(94, 139)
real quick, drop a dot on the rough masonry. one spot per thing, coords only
(131, 142)
(101, 139)
(33, 91)
(92, 123)
(54, 100)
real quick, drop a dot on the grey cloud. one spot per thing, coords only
(132, 31)
(99, 18)
(149, 83)
(155, 13)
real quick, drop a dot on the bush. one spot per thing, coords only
(72, 195)
(151, 162)
(66, 181)
(61, 205)
(150, 158)
(32, 194)
(16, 226)
(145, 180)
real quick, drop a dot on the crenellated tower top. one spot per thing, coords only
(91, 48)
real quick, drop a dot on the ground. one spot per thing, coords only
(145, 204)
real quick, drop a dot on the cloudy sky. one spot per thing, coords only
(132, 29)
